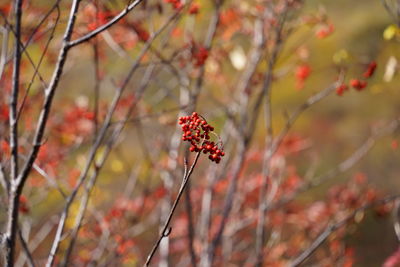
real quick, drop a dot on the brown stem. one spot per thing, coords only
(13, 199)
(167, 229)
(333, 227)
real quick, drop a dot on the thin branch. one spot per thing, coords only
(272, 147)
(19, 179)
(39, 237)
(104, 27)
(50, 92)
(167, 229)
(100, 163)
(100, 137)
(13, 197)
(25, 248)
(342, 167)
(36, 68)
(247, 132)
(14, 93)
(4, 181)
(396, 219)
(190, 224)
(24, 51)
(4, 50)
(333, 227)
(260, 229)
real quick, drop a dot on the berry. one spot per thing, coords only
(341, 89)
(370, 70)
(196, 130)
(194, 9)
(358, 84)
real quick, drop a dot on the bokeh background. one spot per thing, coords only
(362, 31)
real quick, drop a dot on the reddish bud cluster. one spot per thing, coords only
(200, 55)
(370, 70)
(341, 89)
(358, 84)
(303, 71)
(23, 204)
(194, 9)
(141, 32)
(99, 19)
(176, 4)
(4, 112)
(325, 31)
(197, 131)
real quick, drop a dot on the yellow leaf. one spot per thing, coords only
(390, 32)
(238, 58)
(117, 166)
(340, 56)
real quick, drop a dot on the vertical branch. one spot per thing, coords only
(99, 140)
(49, 95)
(13, 198)
(18, 179)
(332, 227)
(4, 49)
(96, 88)
(212, 177)
(260, 230)
(190, 225)
(167, 229)
(14, 92)
(190, 99)
(99, 164)
(25, 248)
(247, 131)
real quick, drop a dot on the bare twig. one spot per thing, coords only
(167, 229)
(247, 130)
(25, 249)
(104, 27)
(36, 67)
(98, 165)
(4, 181)
(190, 224)
(342, 167)
(4, 48)
(39, 237)
(272, 147)
(335, 226)
(18, 179)
(396, 219)
(13, 197)
(100, 138)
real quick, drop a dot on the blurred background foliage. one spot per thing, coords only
(332, 129)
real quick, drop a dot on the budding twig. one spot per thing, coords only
(167, 229)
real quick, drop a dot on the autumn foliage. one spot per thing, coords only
(195, 133)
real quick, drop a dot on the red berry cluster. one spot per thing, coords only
(199, 54)
(358, 84)
(197, 131)
(341, 89)
(370, 70)
(194, 9)
(176, 4)
(302, 73)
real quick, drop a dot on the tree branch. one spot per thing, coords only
(333, 227)
(167, 229)
(104, 27)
